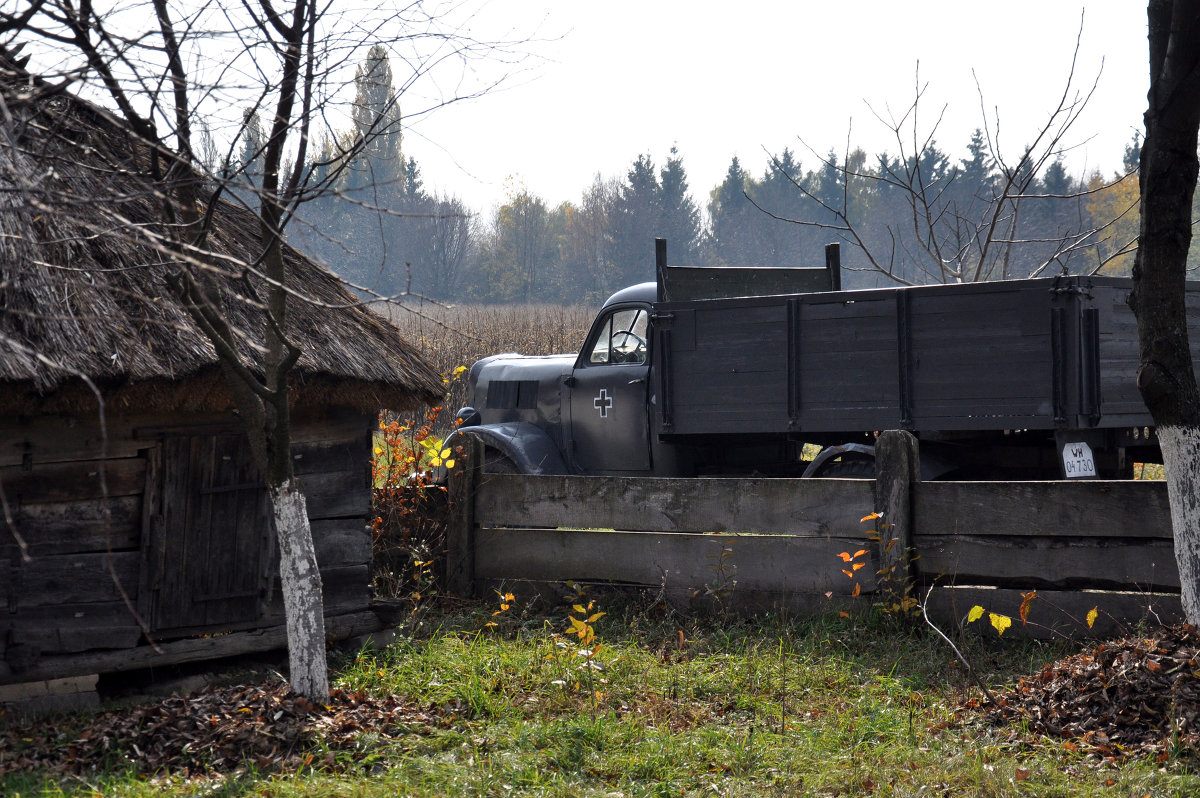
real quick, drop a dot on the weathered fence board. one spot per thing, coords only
(1052, 561)
(1132, 508)
(760, 506)
(763, 563)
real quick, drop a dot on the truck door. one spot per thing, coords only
(610, 419)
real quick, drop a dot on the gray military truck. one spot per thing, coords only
(776, 371)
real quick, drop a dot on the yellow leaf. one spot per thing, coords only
(1000, 622)
(975, 614)
(579, 608)
(1092, 615)
(450, 463)
(596, 617)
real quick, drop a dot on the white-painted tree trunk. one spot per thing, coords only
(1181, 460)
(300, 583)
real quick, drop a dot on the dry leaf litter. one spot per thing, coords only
(1136, 696)
(220, 729)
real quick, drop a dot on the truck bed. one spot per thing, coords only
(1047, 353)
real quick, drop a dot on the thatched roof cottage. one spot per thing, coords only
(144, 519)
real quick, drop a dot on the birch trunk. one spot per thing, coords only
(300, 583)
(1167, 177)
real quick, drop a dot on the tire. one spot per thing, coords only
(855, 468)
(496, 463)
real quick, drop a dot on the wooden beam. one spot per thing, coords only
(1091, 508)
(465, 481)
(762, 506)
(337, 627)
(771, 563)
(897, 468)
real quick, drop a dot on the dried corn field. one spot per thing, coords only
(458, 336)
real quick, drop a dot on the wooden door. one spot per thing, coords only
(211, 536)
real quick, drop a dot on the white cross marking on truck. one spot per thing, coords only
(603, 402)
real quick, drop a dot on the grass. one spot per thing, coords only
(691, 707)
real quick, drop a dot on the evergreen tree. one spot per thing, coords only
(731, 217)
(679, 218)
(635, 223)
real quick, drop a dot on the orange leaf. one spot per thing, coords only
(844, 614)
(845, 555)
(1026, 600)
(870, 517)
(858, 565)
(848, 573)
(859, 553)
(857, 588)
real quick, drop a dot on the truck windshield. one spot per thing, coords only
(622, 338)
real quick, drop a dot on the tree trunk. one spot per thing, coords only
(300, 583)
(1167, 174)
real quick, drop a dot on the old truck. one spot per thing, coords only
(777, 371)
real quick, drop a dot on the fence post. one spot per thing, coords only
(897, 470)
(460, 531)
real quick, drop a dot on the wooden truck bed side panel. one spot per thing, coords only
(1019, 354)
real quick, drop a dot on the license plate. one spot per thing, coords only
(1078, 461)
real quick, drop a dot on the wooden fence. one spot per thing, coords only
(754, 544)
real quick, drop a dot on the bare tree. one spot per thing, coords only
(1166, 376)
(282, 60)
(915, 218)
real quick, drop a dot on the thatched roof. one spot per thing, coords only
(84, 288)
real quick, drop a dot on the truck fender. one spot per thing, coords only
(527, 445)
(933, 464)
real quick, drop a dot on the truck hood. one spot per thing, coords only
(510, 387)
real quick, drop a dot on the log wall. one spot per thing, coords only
(76, 560)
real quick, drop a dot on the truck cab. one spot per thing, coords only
(588, 413)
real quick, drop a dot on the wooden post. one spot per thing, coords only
(897, 470)
(460, 532)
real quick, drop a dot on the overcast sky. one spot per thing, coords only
(615, 79)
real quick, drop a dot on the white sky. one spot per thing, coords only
(620, 78)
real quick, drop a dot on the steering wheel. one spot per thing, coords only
(630, 356)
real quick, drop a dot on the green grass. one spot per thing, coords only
(692, 707)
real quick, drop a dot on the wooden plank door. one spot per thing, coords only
(211, 545)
